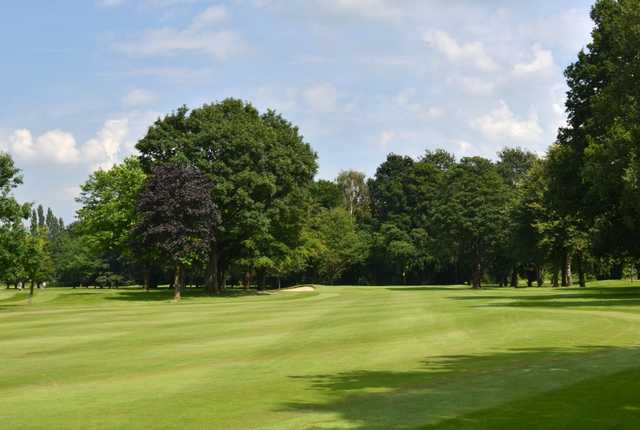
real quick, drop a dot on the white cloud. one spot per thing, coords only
(102, 150)
(53, 146)
(197, 37)
(321, 97)
(391, 136)
(463, 146)
(404, 101)
(138, 96)
(472, 53)
(72, 191)
(114, 141)
(110, 3)
(473, 86)
(212, 15)
(380, 10)
(569, 30)
(541, 63)
(501, 124)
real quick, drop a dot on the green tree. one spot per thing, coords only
(472, 212)
(326, 194)
(355, 193)
(108, 212)
(12, 215)
(338, 243)
(257, 164)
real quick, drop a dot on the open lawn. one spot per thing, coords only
(336, 358)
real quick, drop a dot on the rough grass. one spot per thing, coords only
(335, 358)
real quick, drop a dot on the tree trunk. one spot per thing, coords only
(177, 283)
(554, 277)
(565, 269)
(211, 284)
(279, 283)
(476, 277)
(262, 274)
(580, 266)
(147, 278)
(247, 280)
(530, 276)
(222, 278)
(539, 277)
(514, 278)
(31, 289)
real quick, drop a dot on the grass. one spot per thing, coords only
(337, 358)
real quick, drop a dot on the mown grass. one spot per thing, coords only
(337, 358)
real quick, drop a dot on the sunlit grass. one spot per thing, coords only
(339, 357)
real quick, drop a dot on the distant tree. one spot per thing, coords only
(41, 218)
(37, 262)
(75, 263)
(326, 194)
(339, 244)
(472, 212)
(52, 224)
(176, 214)
(514, 164)
(355, 192)
(33, 226)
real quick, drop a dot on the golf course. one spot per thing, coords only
(337, 357)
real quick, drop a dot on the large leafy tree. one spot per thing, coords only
(108, 212)
(176, 215)
(12, 214)
(403, 192)
(339, 244)
(258, 164)
(472, 212)
(599, 170)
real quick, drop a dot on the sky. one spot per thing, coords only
(82, 80)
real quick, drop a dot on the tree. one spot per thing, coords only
(340, 245)
(176, 215)
(12, 215)
(41, 217)
(355, 192)
(36, 259)
(108, 212)
(595, 162)
(326, 194)
(472, 213)
(257, 164)
(75, 263)
(514, 164)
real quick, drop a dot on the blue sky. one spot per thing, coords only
(82, 80)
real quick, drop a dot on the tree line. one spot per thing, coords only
(224, 194)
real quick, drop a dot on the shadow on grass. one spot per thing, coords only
(433, 288)
(530, 388)
(164, 294)
(566, 298)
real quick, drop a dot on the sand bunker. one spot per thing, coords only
(303, 289)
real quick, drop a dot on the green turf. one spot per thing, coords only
(337, 358)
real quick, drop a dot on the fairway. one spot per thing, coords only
(336, 358)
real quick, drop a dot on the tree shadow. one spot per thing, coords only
(566, 298)
(433, 288)
(542, 388)
(166, 294)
